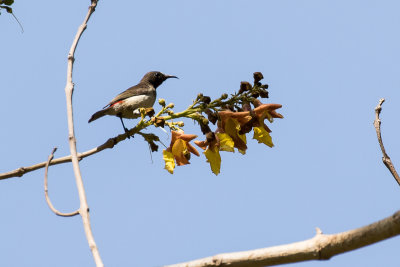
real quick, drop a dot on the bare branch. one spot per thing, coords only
(386, 159)
(46, 191)
(69, 88)
(320, 247)
(110, 143)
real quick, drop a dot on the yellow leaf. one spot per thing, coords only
(243, 137)
(214, 158)
(262, 136)
(232, 128)
(242, 151)
(226, 142)
(169, 161)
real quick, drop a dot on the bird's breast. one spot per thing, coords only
(128, 107)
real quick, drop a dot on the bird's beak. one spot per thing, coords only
(170, 76)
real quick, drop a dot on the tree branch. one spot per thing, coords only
(320, 247)
(386, 159)
(69, 88)
(46, 191)
(110, 143)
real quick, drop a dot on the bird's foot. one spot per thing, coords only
(127, 132)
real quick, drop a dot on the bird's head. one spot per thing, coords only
(156, 78)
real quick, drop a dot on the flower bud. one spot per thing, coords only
(264, 93)
(224, 96)
(171, 105)
(161, 101)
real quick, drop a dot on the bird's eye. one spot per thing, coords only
(157, 74)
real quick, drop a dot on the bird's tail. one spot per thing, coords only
(98, 114)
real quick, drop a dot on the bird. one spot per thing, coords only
(127, 104)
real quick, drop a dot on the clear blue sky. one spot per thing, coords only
(327, 63)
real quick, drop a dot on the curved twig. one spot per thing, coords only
(320, 247)
(386, 159)
(46, 191)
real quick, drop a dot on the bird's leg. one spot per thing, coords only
(123, 125)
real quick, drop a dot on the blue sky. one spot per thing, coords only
(327, 62)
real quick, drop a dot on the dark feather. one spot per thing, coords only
(139, 89)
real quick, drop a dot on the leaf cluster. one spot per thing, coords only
(234, 116)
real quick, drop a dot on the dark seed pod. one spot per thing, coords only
(210, 137)
(264, 93)
(150, 112)
(265, 86)
(206, 99)
(212, 117)
(159, 122)
(257, 77)
(244, 86)
(204, 127)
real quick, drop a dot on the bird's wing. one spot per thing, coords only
(138, 89)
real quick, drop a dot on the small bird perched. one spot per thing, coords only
(127, 103)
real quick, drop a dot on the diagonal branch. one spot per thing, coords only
(320, 247)
(46, 190)
(386, 159)
(110, 143)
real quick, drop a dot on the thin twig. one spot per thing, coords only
(69, 88)
(46, 191)
(386, 159)
(320, 247)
